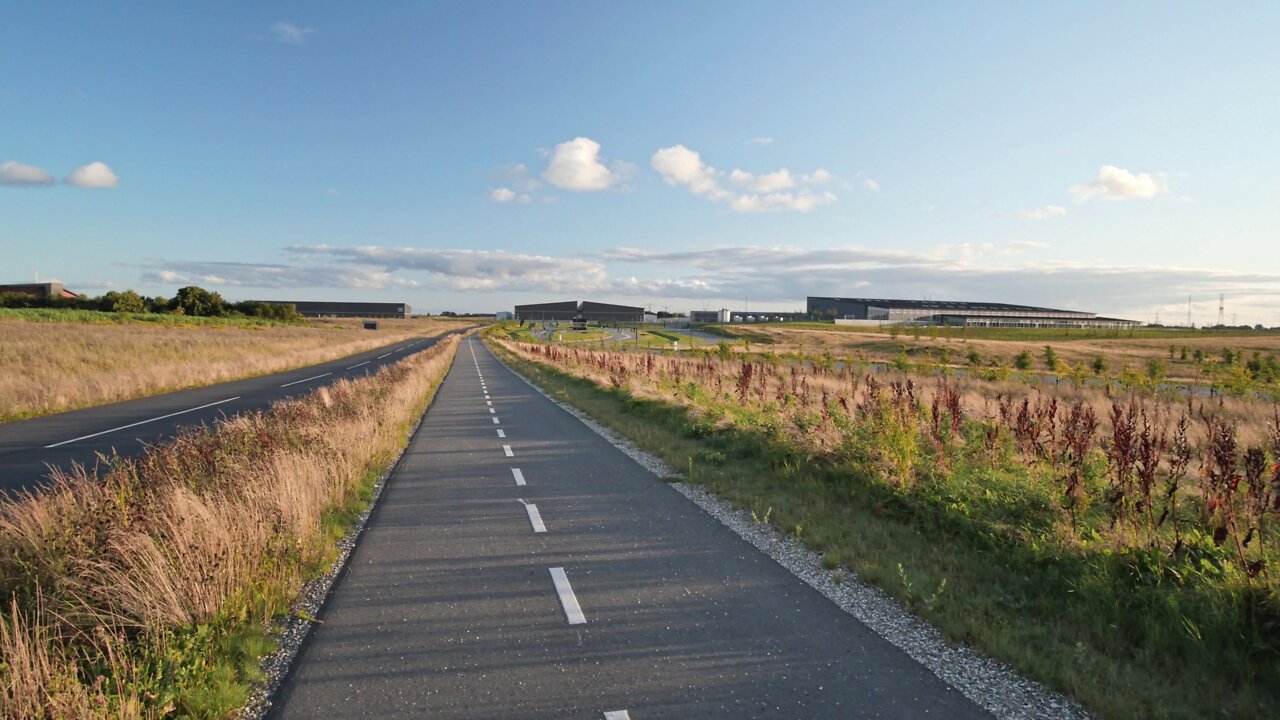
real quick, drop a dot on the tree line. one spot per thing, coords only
(191, 300)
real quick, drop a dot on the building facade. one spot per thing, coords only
(571, 310)
(960, 314)
(39, 290)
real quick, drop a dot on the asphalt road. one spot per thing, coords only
(29, 447)
(518, 565)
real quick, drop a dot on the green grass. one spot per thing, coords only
(1026, 334)
(56, 315)
(972, 555)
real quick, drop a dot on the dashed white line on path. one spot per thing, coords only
(519, 476)
(502, 433)
(506, 450)
(381, 356)
(569, 601)
(495, 421)
(140, 422)
(316, 377)
(535, 517)
(353, 367)
(492, 411)
(617, 715)
(488, 402)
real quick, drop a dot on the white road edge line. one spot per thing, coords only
(535, 517)
(140, 422)
(569, 601)
(617, 715)
(317, 377)
(519, 476)
(502, 433)
(353, 367)
(506, 450)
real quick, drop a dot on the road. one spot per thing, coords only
(518, 565)
(29, 447)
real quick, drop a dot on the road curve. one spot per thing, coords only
(518, 565)
(29, 447)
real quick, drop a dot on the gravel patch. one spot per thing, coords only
(993, 685)
(293, 629)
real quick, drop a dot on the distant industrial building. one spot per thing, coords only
(960, 314)
(39, 290)
(308, 308)
(571, 310)
(710, 316)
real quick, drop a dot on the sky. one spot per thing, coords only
(1114, 157)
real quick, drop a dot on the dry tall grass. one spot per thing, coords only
(119, 592)
(52, 367)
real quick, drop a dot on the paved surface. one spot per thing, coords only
(454, 605)
(29, 447)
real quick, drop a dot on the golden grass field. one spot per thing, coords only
(51, 367)
(1118, 351)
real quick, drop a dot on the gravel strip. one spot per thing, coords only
(991, 684)
(292, 630)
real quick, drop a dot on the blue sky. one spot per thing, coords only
(470, 156)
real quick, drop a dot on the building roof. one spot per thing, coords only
(947, 305)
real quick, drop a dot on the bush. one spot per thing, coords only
(1023, 361)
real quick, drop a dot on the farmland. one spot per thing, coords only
(1118, 545)
(59, 360)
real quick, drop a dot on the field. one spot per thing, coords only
(58, 360)
(151, 592)
(1134, 349)
(1122, 547)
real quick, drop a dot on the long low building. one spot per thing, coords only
(308, 308)
(957, 313)
(571, 310)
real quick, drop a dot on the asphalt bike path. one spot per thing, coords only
(518, 565)
(29, 447)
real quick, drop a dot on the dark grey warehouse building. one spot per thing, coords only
(586, 310)
(307, 308)
(957, 313)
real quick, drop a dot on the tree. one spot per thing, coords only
(1156, 369)
(197, 301)
(1050, 358)
(129, 301)
(1099, 365)
(1023, 361)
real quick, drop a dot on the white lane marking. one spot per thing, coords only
(381, 356)
(569, 601)
(502, 433)
(492, 411)
(535, 517)
(519, 476)
(495, 421)
(506, 450)
(617, 715)
(317, 377)
(486, 396)
(353, 367)
(140, 422)
(488, 402)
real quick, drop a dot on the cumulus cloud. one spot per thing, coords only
(680, 166)
(502, 195)
(93, 175)
(576, 165)
(1042, 213)
(288, 32)
(871, 185)
(1115, 183)
(17, 174)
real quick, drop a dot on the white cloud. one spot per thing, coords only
(272, 275)
(93, 175)
(333, 192)
(871, 185)
(575, 165)
(502, 195)
(762, 140)
(1042, 213)
(768, 192)
(1116, 183)
(16, 174)
(679, 165)
(287, 32)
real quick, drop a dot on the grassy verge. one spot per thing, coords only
(54, 367)
(95, 317)
(150, 592)
(1031, 334)
(981, 546)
